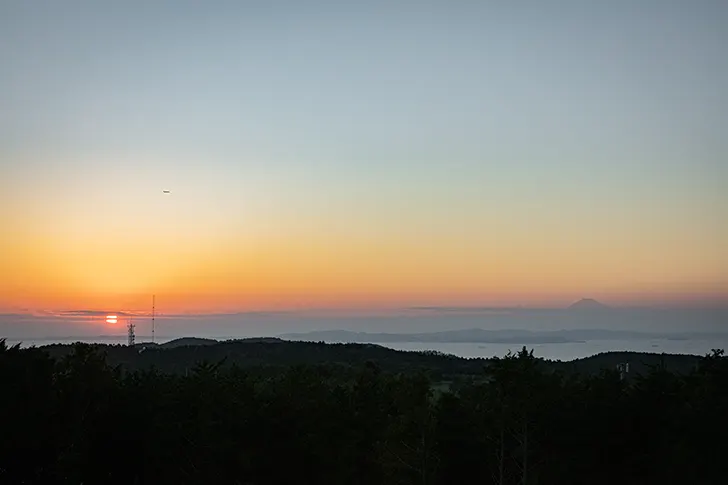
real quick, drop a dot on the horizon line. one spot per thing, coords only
(90, 313)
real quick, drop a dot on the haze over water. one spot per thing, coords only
(584, 332)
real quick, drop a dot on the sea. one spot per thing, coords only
(553, 351)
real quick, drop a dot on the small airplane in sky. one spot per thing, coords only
(166, 192)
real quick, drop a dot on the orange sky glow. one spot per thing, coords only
(440, 156)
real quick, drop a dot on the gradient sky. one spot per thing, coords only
(322, 154)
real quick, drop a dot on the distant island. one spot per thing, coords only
(505, 336)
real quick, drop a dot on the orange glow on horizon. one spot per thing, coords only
(46, 268)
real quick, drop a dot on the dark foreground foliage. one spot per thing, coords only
(177, 358)
(76, 419)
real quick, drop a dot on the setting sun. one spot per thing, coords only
(111, 319)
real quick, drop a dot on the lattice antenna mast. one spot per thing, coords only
(130, 328)
(623, 369)
(153, 301)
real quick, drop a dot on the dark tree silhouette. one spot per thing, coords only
(82, 416)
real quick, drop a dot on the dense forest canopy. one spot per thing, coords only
(179, 356)
(271, 413)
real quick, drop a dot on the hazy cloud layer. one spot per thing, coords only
(256, 324)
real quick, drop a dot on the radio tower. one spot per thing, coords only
(623, 369)
(130, 327)
(153, 298)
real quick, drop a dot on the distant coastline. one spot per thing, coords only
(481, 336)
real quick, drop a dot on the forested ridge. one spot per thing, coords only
(179, 356)
(358, 414)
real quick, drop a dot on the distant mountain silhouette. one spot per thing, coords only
(503, 336)
(451, 336)
(588, 304)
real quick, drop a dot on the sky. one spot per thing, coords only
(378, 155)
